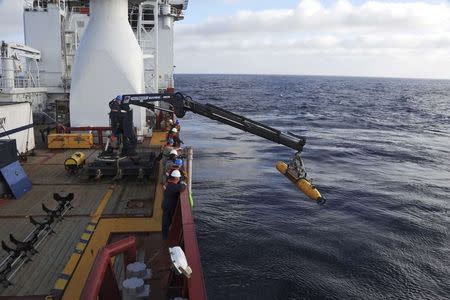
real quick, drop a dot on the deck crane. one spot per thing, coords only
(122, 127)
(11, 56)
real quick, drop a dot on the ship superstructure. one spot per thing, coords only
(129, 46)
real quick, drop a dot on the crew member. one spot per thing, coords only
(170, 160)
(176, 125)
(150, 118)
(165, 153)
(170, 141)
(168, 123)
(173, 154)
(114, 104)
(4, 49)
(170, 201)
(159, 120)
(173, 134)
(171, 157)
(177, 165)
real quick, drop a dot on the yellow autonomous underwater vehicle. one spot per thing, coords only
(302, 183)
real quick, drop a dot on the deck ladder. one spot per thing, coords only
(147, 36)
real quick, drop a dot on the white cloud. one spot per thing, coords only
(378, 34)
(407, 39)
(311, 16)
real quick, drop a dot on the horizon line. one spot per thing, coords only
(314, 75)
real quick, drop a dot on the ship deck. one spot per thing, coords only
(103, 210)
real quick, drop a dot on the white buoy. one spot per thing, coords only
(108, 63)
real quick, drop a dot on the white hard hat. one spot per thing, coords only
(174, 130)
(173, 151)
(167, 150)
(175, 173)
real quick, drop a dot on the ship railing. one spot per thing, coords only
(26, 82)
(182, 233)
(176, 12)
(101, 282)
(41, 4)
(22, 82)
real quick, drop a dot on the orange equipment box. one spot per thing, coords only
(70, 141)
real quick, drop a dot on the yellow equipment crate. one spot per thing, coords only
(70, 141)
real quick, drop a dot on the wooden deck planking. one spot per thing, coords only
(37, 277)
(107, 226)
(86, 199)
(38, 272)
(19, 227)
(52, 174)
(131, 189)
(49, 169)
(59, 156)
(46, 171)
(56, 156)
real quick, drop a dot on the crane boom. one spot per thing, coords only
(181, 104)
(121, 122)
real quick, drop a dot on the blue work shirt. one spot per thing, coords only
(171, 195)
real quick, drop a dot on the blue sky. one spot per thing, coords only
(199, 10)
(398, 38)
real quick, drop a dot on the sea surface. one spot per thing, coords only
(378, 149)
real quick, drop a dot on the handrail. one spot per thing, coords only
(101, 282)
(196, 284)
(176, 12)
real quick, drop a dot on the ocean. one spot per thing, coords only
(378, 150)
